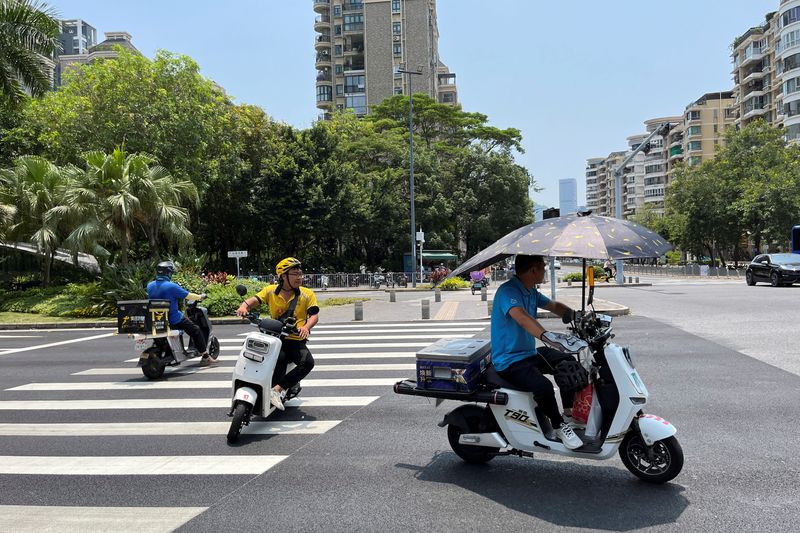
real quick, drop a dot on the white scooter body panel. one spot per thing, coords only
(654, 428)
(520, 426)
(245, 394)
(258, 373)
(629, 385)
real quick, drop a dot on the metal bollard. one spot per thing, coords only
(483, 294)
(426, 309)
(359, 310)
(392, 296)
(569, 284)
(437, 295)
(489, 307)
(637, 279)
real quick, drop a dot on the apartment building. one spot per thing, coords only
(84, 49)
(756, 70)
(592, 166)
(633, 188)
(787, 53)
(705, 121)
(361, 45)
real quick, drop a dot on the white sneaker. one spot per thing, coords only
(572, 422)
(276, 399)
(568, 436)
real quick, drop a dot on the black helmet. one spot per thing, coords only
(165, 268)
(570, 376)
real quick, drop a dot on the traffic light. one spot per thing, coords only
(646, 148)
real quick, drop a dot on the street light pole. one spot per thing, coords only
(411, 173)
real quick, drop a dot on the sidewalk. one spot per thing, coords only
(454, 305)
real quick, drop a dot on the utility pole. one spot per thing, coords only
(417, 72)
(663, 130)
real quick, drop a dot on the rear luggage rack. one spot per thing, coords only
(409, 387)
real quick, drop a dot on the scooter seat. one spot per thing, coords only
(494, 380)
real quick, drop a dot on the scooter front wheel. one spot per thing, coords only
(153, 369)
(241, 417)
(663, 464)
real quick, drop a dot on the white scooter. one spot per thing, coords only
(511, 424)
(253, 374)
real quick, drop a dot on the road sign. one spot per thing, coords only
(237, 253)
(420, 236)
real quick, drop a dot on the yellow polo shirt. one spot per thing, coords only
(306, 305)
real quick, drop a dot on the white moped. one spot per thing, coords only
(511, 424)
(253, 375)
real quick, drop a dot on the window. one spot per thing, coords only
(339, 90)
(695, 145)
(337, 29)
(395, 6)
(339, 69)
(692, 130)
(357, 103)
(693, 115)
(694, 160)
(324, 93)
(354, 22)
(398, 90)
(791, 16)
(398, 49)
(397, 28)
(791, 62)
(792, 108)
(791, 86)
(337, 11)
(354, 84)
(337, 50)
(649, 169)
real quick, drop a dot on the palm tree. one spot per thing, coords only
(7, 208)
(36, 186)
(28, 36)
(121, 196)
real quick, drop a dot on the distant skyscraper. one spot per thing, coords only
(567, 196)
(538, 213)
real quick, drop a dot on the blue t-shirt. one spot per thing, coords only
(510, 341)
(163, 289)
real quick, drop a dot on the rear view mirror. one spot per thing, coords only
(241, 290)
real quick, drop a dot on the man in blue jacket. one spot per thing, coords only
(163, 288)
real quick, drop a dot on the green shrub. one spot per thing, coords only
(222, 300)
(453, 284)
(673, 257)
(331, 302)
(578, 276)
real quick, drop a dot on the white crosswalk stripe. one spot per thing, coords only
(134, 410)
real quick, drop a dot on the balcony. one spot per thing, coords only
(675, 153)
(324, 76)
(348, 67)
(756, 55)
(353, 6)
(323, 59)
(752, 112)
(322, 6)
(322, 22)
(322, 42)
(753, 76)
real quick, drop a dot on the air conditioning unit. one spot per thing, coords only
(396, 38)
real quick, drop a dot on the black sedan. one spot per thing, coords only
(776, 269)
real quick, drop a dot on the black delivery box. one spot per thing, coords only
(143, 316)
(452, 364)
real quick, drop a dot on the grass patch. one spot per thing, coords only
(331, 302)
(8, 317)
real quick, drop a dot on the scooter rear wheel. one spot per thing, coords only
(241, 416)
(477, 421)
(213, 348)
(666, 462)
(153, 369)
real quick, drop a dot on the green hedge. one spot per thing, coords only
(453, 284)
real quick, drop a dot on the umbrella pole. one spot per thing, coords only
(583, 288)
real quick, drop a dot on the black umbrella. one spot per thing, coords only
(584, 236)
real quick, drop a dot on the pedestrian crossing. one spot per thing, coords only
(176, 426)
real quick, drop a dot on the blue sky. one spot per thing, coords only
(576, 78)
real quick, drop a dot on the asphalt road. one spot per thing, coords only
(382, 464)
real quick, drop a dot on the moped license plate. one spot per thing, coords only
(140, 345)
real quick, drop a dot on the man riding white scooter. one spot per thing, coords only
(163, 288)
(514, 331)
(285, 299)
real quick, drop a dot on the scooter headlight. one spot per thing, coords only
(257, 357)
(255, 350)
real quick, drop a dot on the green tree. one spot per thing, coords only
(121, 196)
(28, 36)
(36, 186)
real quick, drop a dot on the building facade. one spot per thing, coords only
(567, 196)
(361, 46)
(756, 70)
(103, 50)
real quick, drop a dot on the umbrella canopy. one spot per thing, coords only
(583, 236)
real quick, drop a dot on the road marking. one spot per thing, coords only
(395, 330)
(19, 336)
(229, 369)
(172, 403)
(170, 465)
(318, 356)
(447, 311)
(372, 337)
(403, 325)
(159, 385)
(50, 345)
(302, 427)
(39, 518)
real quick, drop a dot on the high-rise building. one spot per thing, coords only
(567, 196)
(756, 73)
(361, 46)
(592, 167)
(787, 56)
(76, 38)
(83, 55)
(633, 188)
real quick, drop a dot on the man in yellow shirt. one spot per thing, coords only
(288, 298)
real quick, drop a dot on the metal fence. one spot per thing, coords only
(685, 270)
